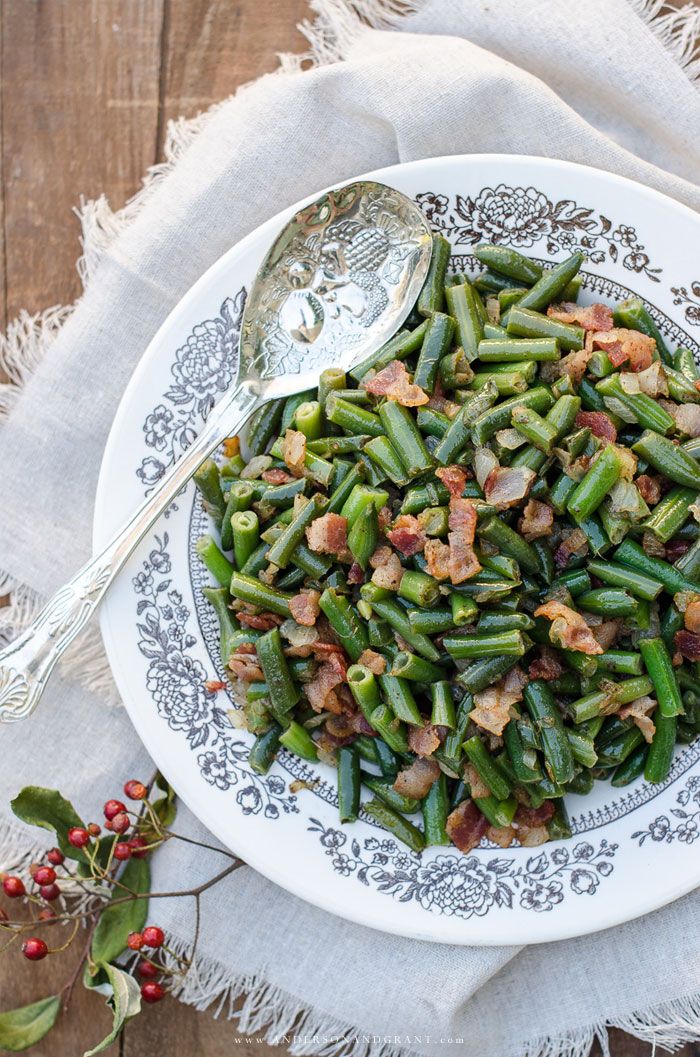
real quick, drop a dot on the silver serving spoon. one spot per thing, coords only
(338, 281)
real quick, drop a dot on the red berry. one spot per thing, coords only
(122, 851)
(78, 836)
(135, 790)
(13, 887)
(45, 875)
(112, 808)
(56, 857)
(93, 829)
(34, 949)
(148, 969)
(137, 843)
(120, 823)
(152, 991)
(134, 941)
(47, 914)
(50, 892)
(153, 936)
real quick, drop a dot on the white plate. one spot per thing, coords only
(633, 849)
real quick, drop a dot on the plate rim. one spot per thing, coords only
(529, 929)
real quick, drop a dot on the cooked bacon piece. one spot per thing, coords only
(441, 403)
(415, 781)
(355, 574)
(437, 555)
(639, 711)
(453, 477)
(477, 785)
(294, 451)
(674, 549)
(424, 740)
(568, 629)
(649, 488)
(321, 691)
(463, 562)
(406, 535)
(652, 380)
(384, 518)
(508, 485)
(276, 476)
(492, 706)
(394, 382)
(574, 543)
(328, 534)
(573, 364)
(688, 645)
(388, 569)
(590, 317)
(547, 666)
(304, 608)
(537, 520)
(341, 727)
(244, 665)
(534, 816)
(466, 826)
(691, 617)
(687, 418)
(247, 647)
(212, 686)
(320, 651)
(259, 621)
(599, 424)
(503, 836)
(606, 633)
(652, 546)
(373, 660)
(624, 345)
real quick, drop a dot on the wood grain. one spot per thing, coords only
(86, 89)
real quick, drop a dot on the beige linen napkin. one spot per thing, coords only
(600, 83)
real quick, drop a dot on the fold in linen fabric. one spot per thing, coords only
(591, 83)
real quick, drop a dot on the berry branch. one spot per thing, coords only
(98, 876)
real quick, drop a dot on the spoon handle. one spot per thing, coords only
(27, 663)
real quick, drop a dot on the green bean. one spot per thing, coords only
(458, 434)
(264, 425)
(633, 315)
(581, 784)
(345, 622)
(360, 497)
(509, 297)
(454, 370)
(646, 411)
(395, 615)
(297, 740)
(575, 581)
(508, 383)
(509, 263)
(432, 423)
(332, 380)
(405, 437)
(523, 760)
(597, 482)
(364, 535)
(443, 710)
(216, 562)
(608, 601)
(416, 669)
(548, 723)
(561, 491)
(671, 513)
(669, 459)
(264, 749)
(680, 387)
(283, 693)
(352, 418)
(307, 419)
(433, 621)
(229, 629)
(419, 588)
(658, 664)
(513, 350)
(398, 826)
(501, 620)
(247, 589)
(257, 561)
(636, 583)
(631, 554)
(436, 344)
(435, 810)
(524, 323)
(498, 417)
(383, 789)
(660, 752)
(281, 551)
(463, 609)
(432, 295)
(385, 456)
(462, 645)
(283, 495)
(397, 348)
(240, 497)
(617, 751)
(534, 428)
(208, 482)
(689, 563)
(390, 729)
(349, 784)
(462, 305)
(630, 768)
(487, 768)
(421, 496)
(509, 542)
(684, 361)
(551, 283)
(363, 687)
(246, 535)
(329, 447)
(621, 662)
(290, 409)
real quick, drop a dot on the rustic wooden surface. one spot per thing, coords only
(86, 88)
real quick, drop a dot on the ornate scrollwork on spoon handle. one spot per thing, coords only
(27, 663)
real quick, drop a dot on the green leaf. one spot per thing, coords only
(47, 808)
(124, 996)
(165, 807)
(117, 922)
(21, 1028)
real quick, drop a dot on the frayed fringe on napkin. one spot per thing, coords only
(258, 1006)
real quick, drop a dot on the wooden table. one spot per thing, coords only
(87, 89)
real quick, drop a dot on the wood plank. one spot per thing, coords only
(80, 116)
